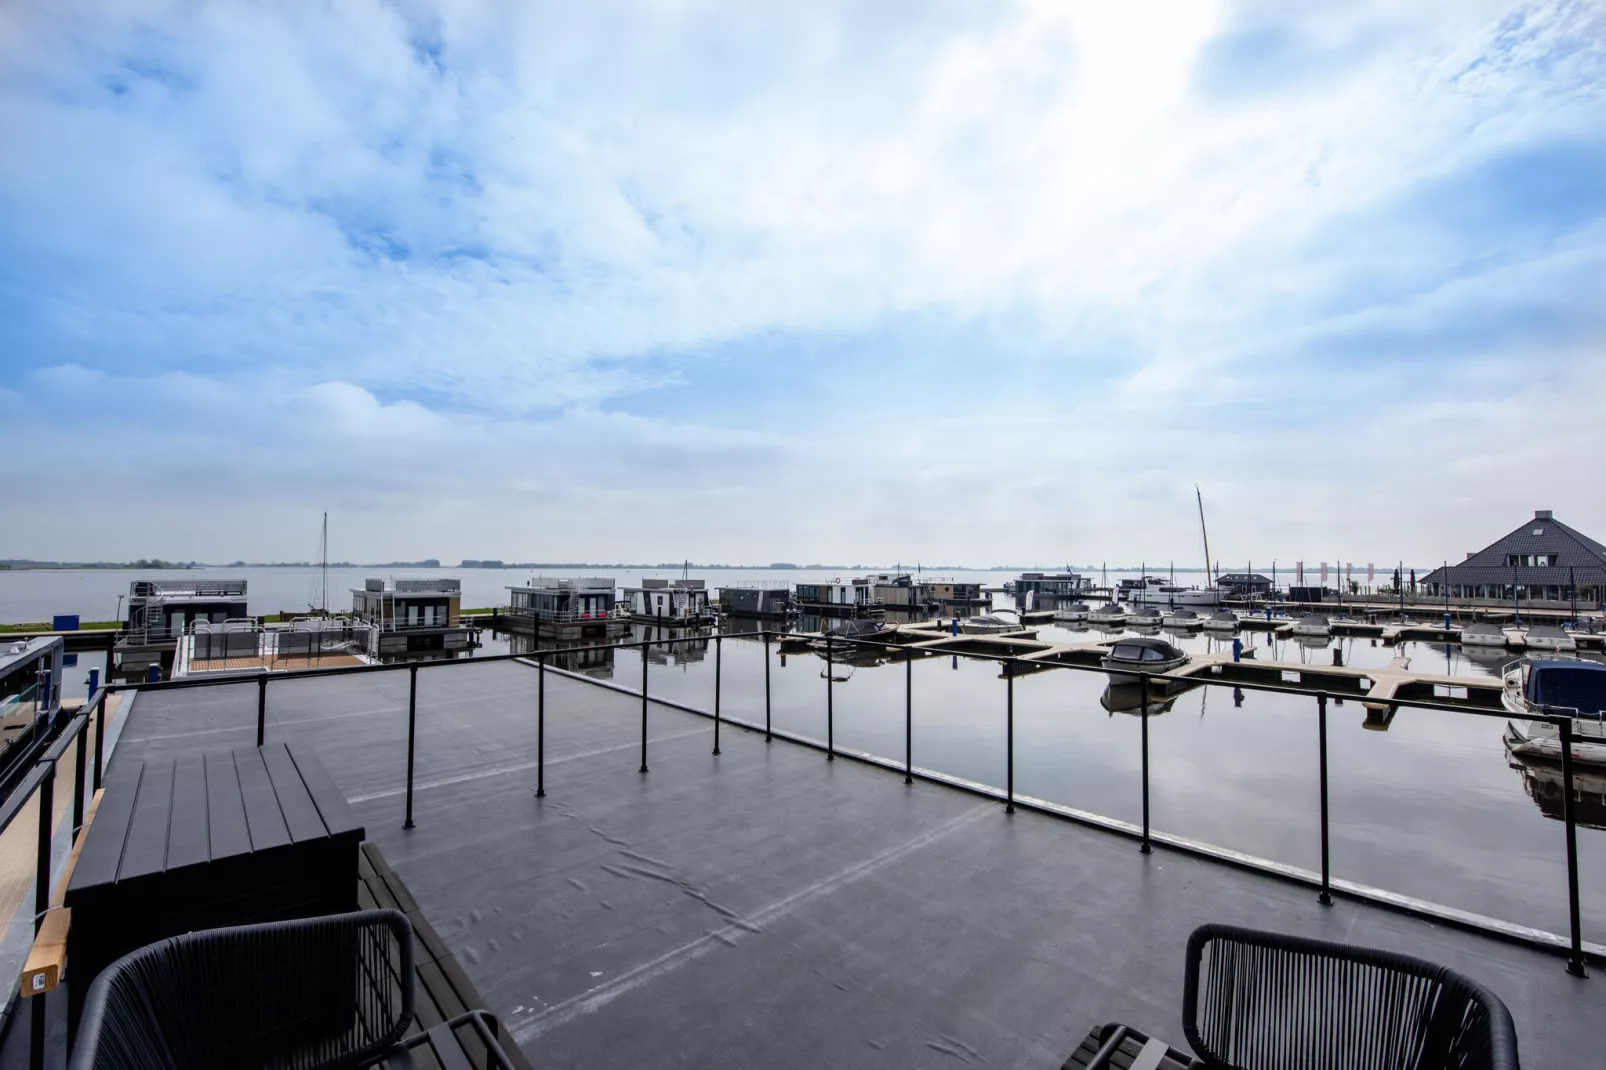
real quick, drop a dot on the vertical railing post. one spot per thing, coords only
(1326, 896)
(830, 706)
(412, 736)
(1575, 957)
(767, 686)
(78, 761)
(1009, 681)
(100, 734)
(540, 725)
(717, 647)
(41, 877)
(909, 720)
(1145, 847)
(644, 647)
(262, 708)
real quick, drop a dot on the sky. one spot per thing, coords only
(971, 283)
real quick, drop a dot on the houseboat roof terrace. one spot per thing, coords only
(746, 903)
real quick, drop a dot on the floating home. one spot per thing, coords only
(244, 647)
(755, 600)
(1051, 584)
(838, 599)
(569, 608)
(1244, 585)
(413, 616)
(159, 611)
(30, 695)
(661, 601)
(952, 599)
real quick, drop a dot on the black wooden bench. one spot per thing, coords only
(443, 996)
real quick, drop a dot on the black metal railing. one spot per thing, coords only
(1012, 666)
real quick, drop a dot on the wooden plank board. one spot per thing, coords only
(47, 958)
(98, 863)
(227, 828)
(300, 815)
(188, 842)
(262, 814)
(145, 849)
(326, 796)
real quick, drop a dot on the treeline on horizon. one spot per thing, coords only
(492, 563)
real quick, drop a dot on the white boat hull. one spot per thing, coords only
(1182, 622)
(1483, 639)
(1221, 625)
(1547, 747)
(1071, 618)
(1189, 598)
(1310, 630)
(1113, 670)
(1546, 642)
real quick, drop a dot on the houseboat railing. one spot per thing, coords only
(1011, 667)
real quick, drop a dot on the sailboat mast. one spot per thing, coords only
(324, 551)
(1203, 533)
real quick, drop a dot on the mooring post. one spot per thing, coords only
(767, 686)
(412, 735)
(1575, 958)
(1326, 896)
(1144, 847)
(540, 725)
(717, 647)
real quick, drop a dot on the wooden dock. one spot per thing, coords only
(1376, 687)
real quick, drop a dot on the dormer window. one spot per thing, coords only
(1530, 560)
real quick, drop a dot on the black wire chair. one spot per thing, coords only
(334, 991)
(1258, 1001)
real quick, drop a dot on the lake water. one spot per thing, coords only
(1431, 807)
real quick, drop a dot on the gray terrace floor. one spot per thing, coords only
(770, 908)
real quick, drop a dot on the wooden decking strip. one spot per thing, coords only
(1125, 1056)
(441, 989)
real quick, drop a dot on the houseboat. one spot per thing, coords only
(1050, 585)
(768, 601)
(670, 602)
(951, 599)
(854, 599)
(30, 696)
(413, 616)
(566, 608)
(160, 611)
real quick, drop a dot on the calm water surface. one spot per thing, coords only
(1430, 807)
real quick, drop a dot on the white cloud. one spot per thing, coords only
(449, 250)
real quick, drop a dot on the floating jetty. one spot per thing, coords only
(1376, 687)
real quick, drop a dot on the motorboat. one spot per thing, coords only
(1108, 613)
(1222, 620)
(1181, 618)
(1548, 637)
(1147, 617)
(1312, 624)
(1127, 657)
(1482, 633)
(1075, 613)
(989, 623)
(1154, 591)
(1557, 686)
(847, 630)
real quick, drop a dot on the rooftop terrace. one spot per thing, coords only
(769, 907)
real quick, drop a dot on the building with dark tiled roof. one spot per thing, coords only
(1542, 559)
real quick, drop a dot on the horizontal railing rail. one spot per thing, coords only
(1013, 667)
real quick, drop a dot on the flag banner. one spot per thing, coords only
(1324, 571)
(1370, 573)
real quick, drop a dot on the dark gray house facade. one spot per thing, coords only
(1543, 559)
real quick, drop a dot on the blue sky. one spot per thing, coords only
(956, 282)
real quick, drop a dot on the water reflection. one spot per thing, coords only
(1543, 783)
(594, 659)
